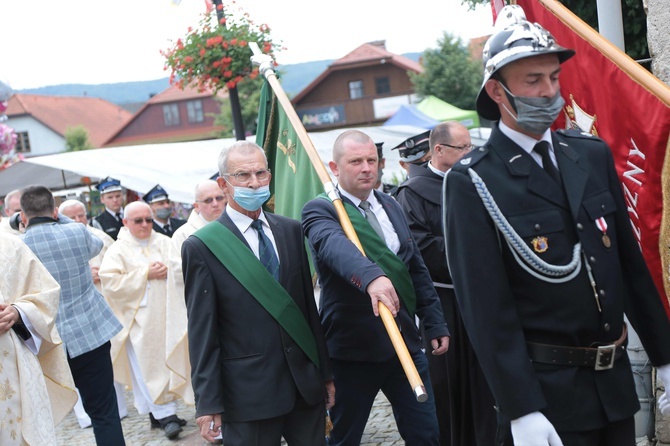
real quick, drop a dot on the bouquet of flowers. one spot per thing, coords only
(216, 54)
(8, 155)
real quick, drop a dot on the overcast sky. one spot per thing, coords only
(51, 42)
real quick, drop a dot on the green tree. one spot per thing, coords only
(449, 73)
(634, 21)
(76, 139)
(249, 91)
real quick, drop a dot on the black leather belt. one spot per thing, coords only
(600, 358)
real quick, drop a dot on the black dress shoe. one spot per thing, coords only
(172, 429)
(155, 424)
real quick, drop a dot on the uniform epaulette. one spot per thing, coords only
(572, 133)
(471, 158)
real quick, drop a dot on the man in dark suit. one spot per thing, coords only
(258, 356)
(159, 201)
(361, 351)
(464, 403)
(111, 196)
(543, 258)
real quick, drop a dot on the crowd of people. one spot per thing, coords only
(507, 269)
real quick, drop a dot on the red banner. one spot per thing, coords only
(610, 95)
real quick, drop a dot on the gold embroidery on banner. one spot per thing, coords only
(288, 150)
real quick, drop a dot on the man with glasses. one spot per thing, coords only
(210, 201)
(462, 396)
(258, 355)
(133, 276)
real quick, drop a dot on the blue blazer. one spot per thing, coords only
(352, 331)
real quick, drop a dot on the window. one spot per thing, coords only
(356, 89)
(194, 111)
(171, 115)
(22, 142)
(382, 85)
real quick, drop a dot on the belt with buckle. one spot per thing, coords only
(600, 358)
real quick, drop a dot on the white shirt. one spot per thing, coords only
(243, 223)
(527, 143)
(390, 236)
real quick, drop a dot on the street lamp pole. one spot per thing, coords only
(232, 92)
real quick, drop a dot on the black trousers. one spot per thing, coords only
(94, 377)
(618, 433)
(464, 403)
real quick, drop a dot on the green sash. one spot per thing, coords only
(377, 251)
(237, 258)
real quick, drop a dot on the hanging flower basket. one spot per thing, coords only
(217, 54)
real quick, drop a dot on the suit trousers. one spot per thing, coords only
(305, 425)
(94, 377)
(357, 385)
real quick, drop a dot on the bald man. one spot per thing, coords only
(210, 201)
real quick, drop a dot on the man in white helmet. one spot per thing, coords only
(543, 258)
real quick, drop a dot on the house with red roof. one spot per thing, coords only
(363, 88)
(174, 115)
(40, 121)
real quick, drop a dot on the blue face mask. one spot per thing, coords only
(251, 199)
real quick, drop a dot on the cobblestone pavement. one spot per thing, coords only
(380, 430)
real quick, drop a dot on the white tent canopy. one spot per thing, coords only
(177, 167)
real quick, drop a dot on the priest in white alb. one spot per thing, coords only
(210, 201)
(133, 276)
(37, 389)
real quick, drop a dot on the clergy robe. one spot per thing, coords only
(36, 392)
(176, 339)
(139, 304)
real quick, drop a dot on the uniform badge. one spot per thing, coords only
(540, 244)
(466, 161)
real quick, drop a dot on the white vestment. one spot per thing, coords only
(176, 340)
(139, 304)
(36, 392)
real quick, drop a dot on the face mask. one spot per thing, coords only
(251, 199)
(163, 213)
(535, 115)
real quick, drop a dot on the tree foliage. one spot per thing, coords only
(76, 139)
(449, 73)
(634, 21)
(249, 92)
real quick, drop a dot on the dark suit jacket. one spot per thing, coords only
(243, 363)
(175, 223)
(109, 224)
(504, 306)
(352, 331)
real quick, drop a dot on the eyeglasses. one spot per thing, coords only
(139, 221)
(218, 198)
(245, 177)
(460, 148)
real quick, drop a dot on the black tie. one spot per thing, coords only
(118, 216)
(266, 252)
(372, 219)
(542, 148)
(166, 228)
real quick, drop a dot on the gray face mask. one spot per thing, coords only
(535, 115)
(163, 213)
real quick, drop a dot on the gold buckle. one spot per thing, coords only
(605, 357)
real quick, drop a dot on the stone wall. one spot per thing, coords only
(658, 17)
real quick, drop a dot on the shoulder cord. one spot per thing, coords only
(526, 258)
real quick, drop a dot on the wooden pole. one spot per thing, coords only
(265, 67)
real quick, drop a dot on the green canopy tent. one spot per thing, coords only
(443, 111)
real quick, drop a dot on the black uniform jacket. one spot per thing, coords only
(243, 362)
(503, 305)
(421, 199)
(175, 223)
(109, 224)
(352, 331)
